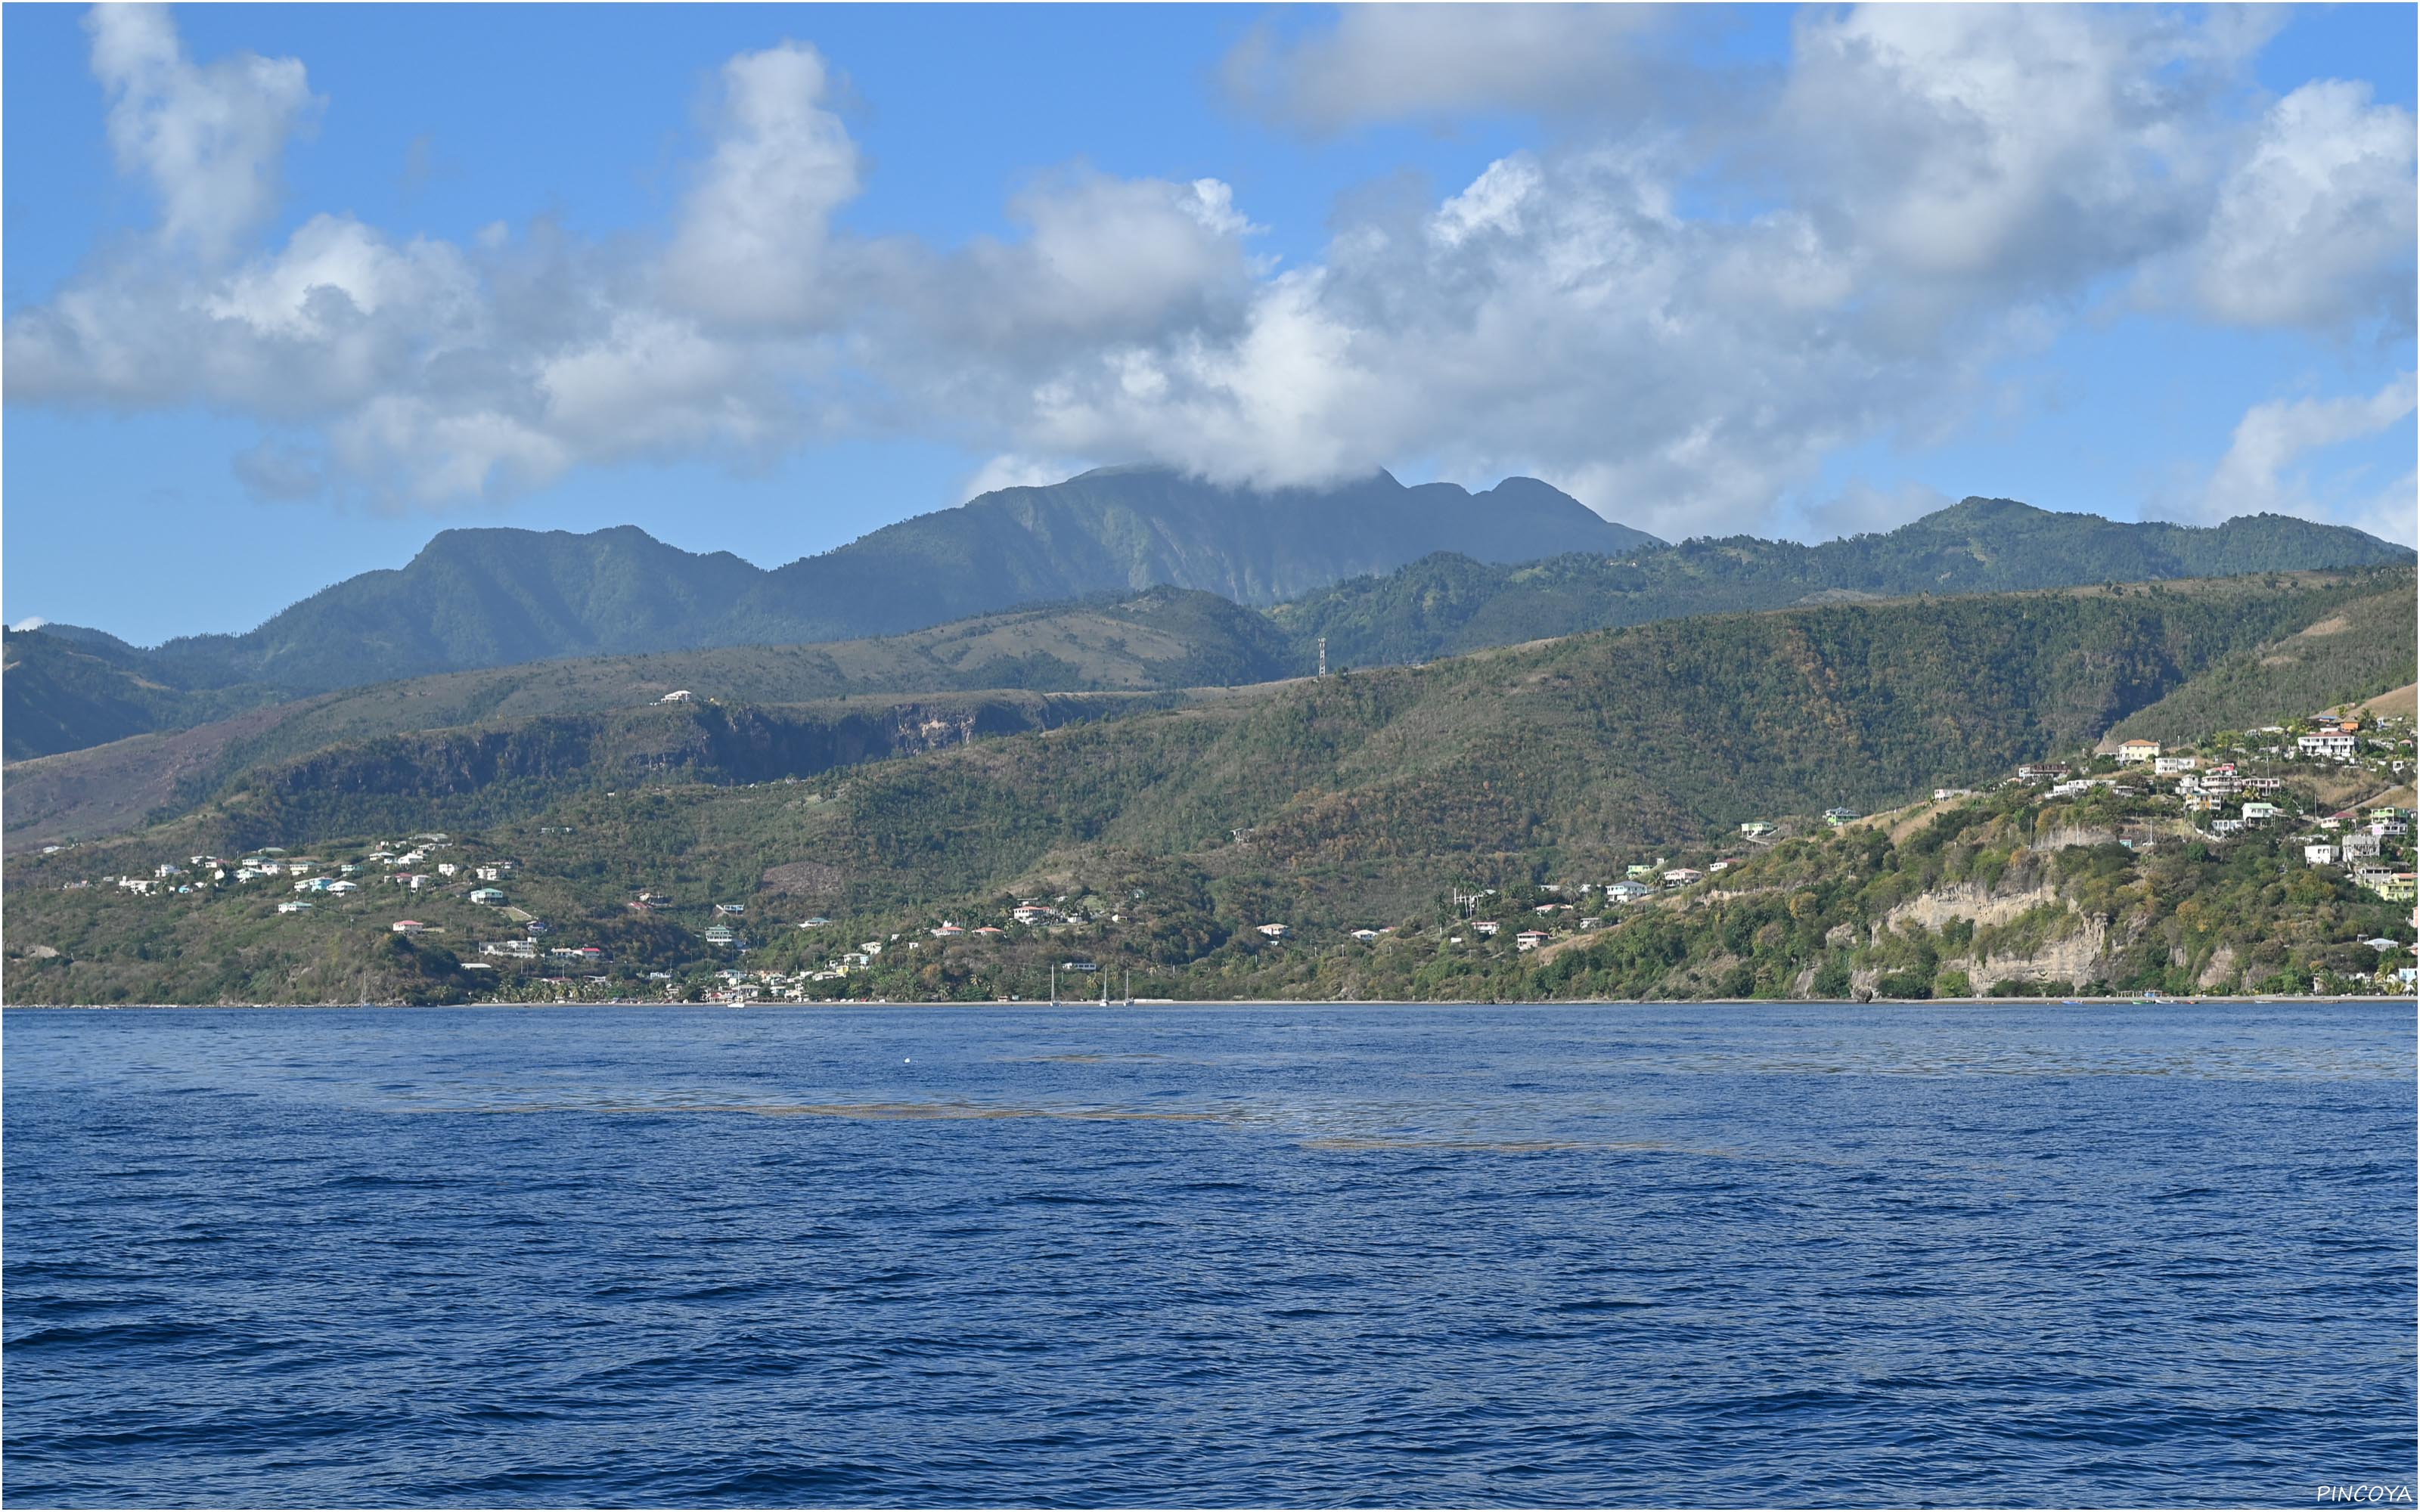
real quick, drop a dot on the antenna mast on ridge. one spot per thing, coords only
(1323, 655)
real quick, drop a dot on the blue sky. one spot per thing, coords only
(290, 287)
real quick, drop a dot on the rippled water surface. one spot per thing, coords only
(1301, 1256)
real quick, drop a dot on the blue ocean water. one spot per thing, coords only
(1789, 1255)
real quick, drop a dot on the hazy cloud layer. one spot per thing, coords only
(1921, 191)
(2257, 473)
(1391, 62)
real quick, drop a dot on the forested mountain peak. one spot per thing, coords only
(1387, 572)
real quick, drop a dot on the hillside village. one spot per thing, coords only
(2324, 801)
(1631, 771)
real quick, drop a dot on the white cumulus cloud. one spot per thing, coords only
(2316, 227)
(1012, 470)
(752, 238)
(2255, 475)
(208, 139)
(1704, 286)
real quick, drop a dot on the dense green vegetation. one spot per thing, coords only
(67, 691)
(1361, 800)
(476, 599)
(1166, 637)
(1563, 756)
(1593, 741)
(485, 774)
(2013, 893)
(1443, 606)
(1979, 900)
(1162, 638)
(2366, 648)
(114, 950)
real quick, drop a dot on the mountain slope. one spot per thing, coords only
(1330, 804)
(500, 598)
(1162, 638)
(479, 599)
(1567, 755)
(1445, 604)
(2367, 647)
(66, 691)
(485, 774)
(1573, 751)
(1120, 528)
(496, 597)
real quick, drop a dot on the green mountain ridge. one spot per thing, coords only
(1631, 736)
(66, 688)
(498, 596)
(485, 774)
(1162, 638)
(1127, 528)
(1328, 803)
(1445, 604)
(2370, 646)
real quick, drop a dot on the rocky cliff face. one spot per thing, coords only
(2026, 934)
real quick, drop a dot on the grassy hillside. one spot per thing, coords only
(487, 774)
(67, 693)
(1357, 798)
(1165, 638)
(2022, 891)
(2364, 649)
(2397, 703)
(2009, 894)
(84, 794)
(1566, 755)
(1444, 606)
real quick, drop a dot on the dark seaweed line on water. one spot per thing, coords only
(1315, 1258)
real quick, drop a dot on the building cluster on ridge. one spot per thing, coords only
(2223, 788)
